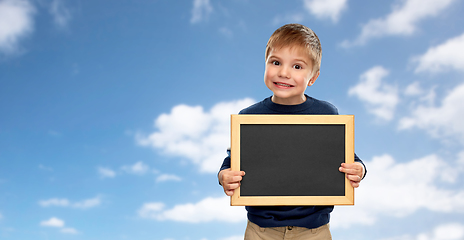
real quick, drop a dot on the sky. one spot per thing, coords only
(114, 115)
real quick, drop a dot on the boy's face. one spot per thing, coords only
(288, 73)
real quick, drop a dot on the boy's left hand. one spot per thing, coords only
(354, 172)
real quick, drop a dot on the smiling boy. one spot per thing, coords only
(288, 73)
(293, 58)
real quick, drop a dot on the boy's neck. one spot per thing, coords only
(288, 101)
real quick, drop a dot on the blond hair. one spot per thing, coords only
(297, 35)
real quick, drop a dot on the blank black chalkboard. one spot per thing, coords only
(292, 159)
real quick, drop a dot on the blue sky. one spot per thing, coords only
(114, 115)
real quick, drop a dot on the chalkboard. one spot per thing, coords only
(292, 159)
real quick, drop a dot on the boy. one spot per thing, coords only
(293, 58)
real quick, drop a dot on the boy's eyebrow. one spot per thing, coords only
(301, 60)
(296, 59)
(272, 56)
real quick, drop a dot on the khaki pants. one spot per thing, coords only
(255, 232)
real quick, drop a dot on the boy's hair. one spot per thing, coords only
(297, 35)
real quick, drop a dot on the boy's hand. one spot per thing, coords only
(230, 180)
(354, 172)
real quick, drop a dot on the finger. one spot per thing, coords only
(352, 167)
(354, 178)
(233, 176)
(237, 173)
(354, 184)
(230, 189)
(355, 165)
(233, 179)
(232, 186)
(350, 171)
(237, 178)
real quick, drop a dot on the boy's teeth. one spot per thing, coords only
(283, 84)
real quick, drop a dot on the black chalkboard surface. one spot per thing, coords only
(292, 159)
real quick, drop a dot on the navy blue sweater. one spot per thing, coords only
(278, 216)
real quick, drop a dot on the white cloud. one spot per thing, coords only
(69, 230)
(207, 210)
(449, 231)
(417, 95)
(199, 136)
(413, 89)
(52, 222)
(403, 20)
(461, 161)
(149, 208)
(87, 203)
(324, 9)
(440, 121)
(60, 13)
(399, 189)
(201, 10)
(16, 22)
(288, 18)
(226, 32)
(63, 202)
(106, 172)
(442, 57)
(58, 223)
(168, 177)
(380, 98)
(42, 167)
(239, 237)
(138, 168)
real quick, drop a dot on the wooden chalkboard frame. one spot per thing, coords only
(319, 120)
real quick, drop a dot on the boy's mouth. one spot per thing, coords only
(282, 84)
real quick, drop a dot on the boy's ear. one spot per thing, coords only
(313, 79)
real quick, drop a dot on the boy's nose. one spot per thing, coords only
(284, 72)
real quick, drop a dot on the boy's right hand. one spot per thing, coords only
(230, 180)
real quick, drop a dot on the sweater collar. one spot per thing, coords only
(288, 108)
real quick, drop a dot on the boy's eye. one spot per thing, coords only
(297, 66)
(275, 62)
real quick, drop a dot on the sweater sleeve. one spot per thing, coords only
(225, 163)
(357, 159)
